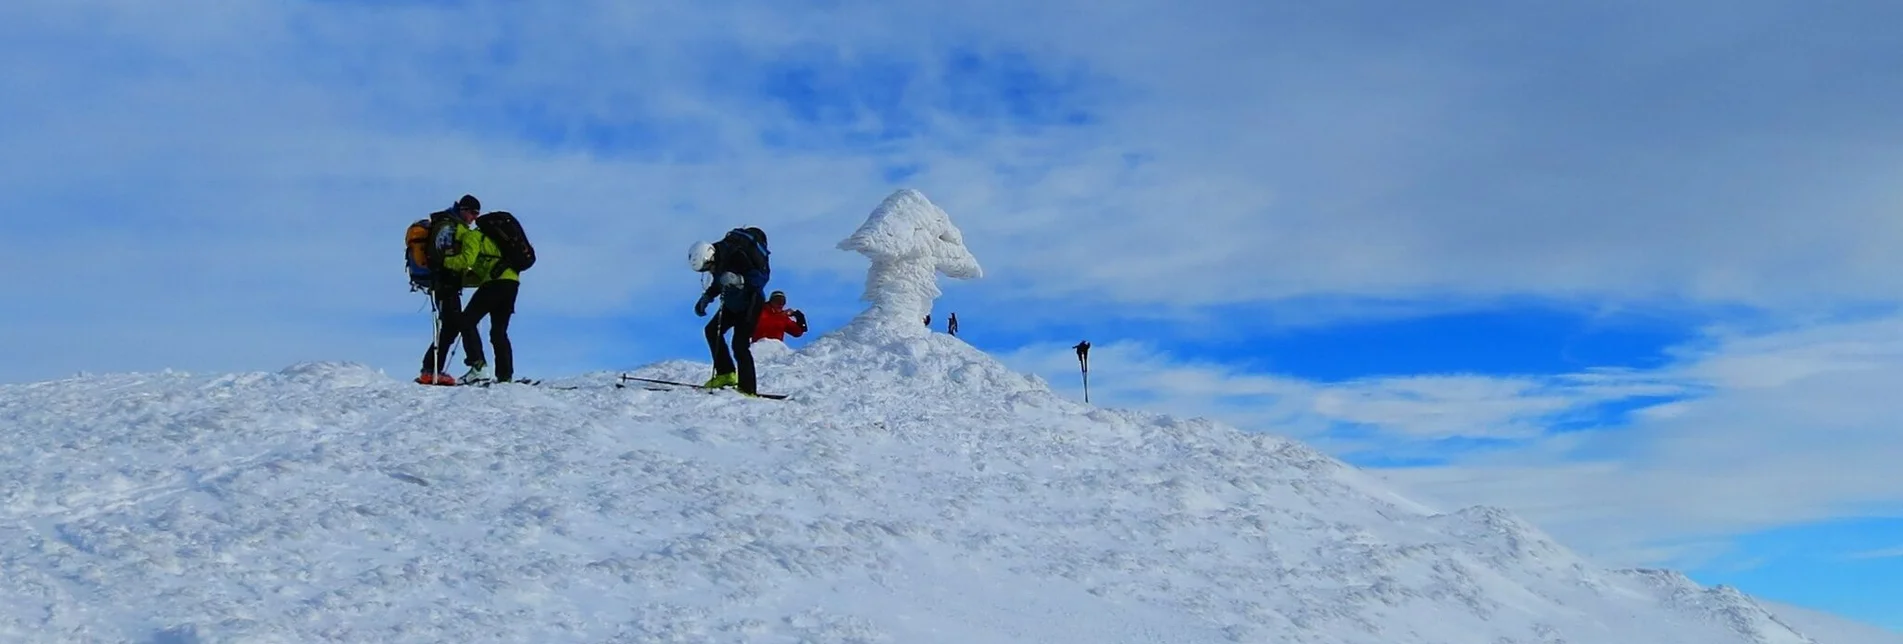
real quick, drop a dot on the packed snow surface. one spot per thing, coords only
(911, 490)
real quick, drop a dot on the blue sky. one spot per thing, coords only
(1627, 269)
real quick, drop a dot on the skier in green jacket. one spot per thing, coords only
(477, 259)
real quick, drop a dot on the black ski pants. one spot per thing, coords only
(740, 318)
(495, 299)
(449, 323)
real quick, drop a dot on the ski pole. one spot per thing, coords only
(1083, 362)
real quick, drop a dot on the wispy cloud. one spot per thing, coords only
(1448, 414)
(1698, 452)
(1741, 432)
(218, 186)
(1143, 154)
(233, 177)
(1886, 553)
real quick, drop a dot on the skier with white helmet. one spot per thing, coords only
(740, 270)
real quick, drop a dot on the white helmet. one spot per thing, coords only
(701, 257)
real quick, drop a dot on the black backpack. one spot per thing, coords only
(502, 228)
(743, 252)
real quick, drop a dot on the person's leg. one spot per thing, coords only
(482, 304)
(505, 294)
(723, 362)
(472, 340)
(743, 342)
(449, 321)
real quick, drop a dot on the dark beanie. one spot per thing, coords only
(468, 202)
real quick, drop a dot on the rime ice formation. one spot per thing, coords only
(910, 241)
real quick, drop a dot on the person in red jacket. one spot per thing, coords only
(776, 321)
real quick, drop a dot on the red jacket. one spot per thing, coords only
(775, 323)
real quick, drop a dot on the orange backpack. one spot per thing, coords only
(420, 254)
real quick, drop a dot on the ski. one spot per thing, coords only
(486, 383)
(626, 377)
(664, 382)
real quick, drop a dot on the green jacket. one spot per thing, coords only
(477, 259)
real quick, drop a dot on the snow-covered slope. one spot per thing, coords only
(912, 489)
(1830, 628)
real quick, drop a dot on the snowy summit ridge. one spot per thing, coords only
(329, 502)
(910, 240)
(911, 490)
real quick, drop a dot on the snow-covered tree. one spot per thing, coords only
(910, 241)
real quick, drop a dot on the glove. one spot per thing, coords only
(700, 308)
(798, 316)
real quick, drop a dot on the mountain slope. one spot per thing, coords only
(1830, 628)
(912, 490)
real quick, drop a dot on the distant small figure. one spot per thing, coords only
(951, 324)
(928, 319)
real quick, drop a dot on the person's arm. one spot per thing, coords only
(468, 247)
(798, 326)
(706, 298)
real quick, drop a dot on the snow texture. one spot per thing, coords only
(910, 241)
(911, 490)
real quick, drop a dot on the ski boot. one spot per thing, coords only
(478, 374)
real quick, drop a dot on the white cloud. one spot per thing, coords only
(1233, 152)
(218, 185)
(1409, 408)
(1444, 406)
(1885, 553)
(1775, 428)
